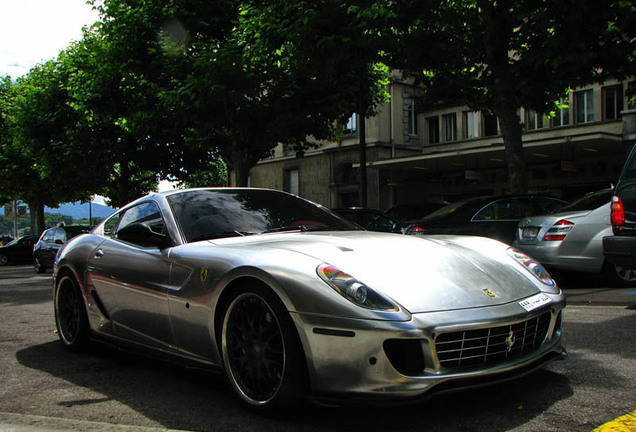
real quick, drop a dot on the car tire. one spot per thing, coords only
(4, 260)
(618, 276)
(261, 350)
(37, 266)
(71, 319)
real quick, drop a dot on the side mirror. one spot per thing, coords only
(141, 234)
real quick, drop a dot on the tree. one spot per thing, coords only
(325, 61)
(39, 161)
(500, 56)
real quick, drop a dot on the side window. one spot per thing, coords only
(506, 209)
(111, 224)
(48, 236)
(147, 213)
(59, 236)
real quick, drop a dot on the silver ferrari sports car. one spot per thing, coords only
(293, 301)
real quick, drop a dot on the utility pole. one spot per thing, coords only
(15, 218)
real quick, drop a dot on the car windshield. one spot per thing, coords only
(209, 214)
(590, 201)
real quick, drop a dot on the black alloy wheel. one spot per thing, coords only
(619, 276)
(261, 350)
(70, 314)
(3, 259)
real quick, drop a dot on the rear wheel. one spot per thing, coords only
(37, 265)
(3, 259)
(70, 314)
(619, 276)
(261, 351)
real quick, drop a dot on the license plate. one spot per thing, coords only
(530, 232)
(535, 302)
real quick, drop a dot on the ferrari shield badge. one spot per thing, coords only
(489, 293)
(203, 275)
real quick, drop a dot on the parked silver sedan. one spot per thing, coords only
(291, 300)
(572, 238)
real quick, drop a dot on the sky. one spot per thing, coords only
(34, 31)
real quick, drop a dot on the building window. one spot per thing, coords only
(411, 117)
(612, 102)
(490, 124)
(450, 127)
(562, 116)
(290, 181)
(584, 106)
(534, 120)
(433, 129)
(470, 124)
(352, 124)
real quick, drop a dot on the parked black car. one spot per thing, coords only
(370, 219)
(621, 247)
(414, 211)
(50, 242)
(17, 251)
(488, 216)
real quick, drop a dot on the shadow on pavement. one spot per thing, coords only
(194, 399)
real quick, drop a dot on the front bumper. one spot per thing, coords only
(359, 359)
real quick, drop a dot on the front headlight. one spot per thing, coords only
(536, 269)
(353, 290)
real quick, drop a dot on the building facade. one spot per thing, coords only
(453, 152)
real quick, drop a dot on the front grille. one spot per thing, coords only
(464, 349)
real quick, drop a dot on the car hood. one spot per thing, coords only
(422, 274)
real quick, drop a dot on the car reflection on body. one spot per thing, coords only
(572, 238)
(292, 300)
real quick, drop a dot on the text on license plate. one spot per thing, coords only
(535, 302)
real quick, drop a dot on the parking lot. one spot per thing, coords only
(109, 388)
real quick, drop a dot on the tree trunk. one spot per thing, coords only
(36, 210)
(241, 174)
(123, 185)
(511, 132)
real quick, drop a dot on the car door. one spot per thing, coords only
(131, 280)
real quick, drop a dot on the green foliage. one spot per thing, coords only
(214, 176)
(51, 219)
(169, 89)
(500, 56)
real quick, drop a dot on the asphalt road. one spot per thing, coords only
(45, 388)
